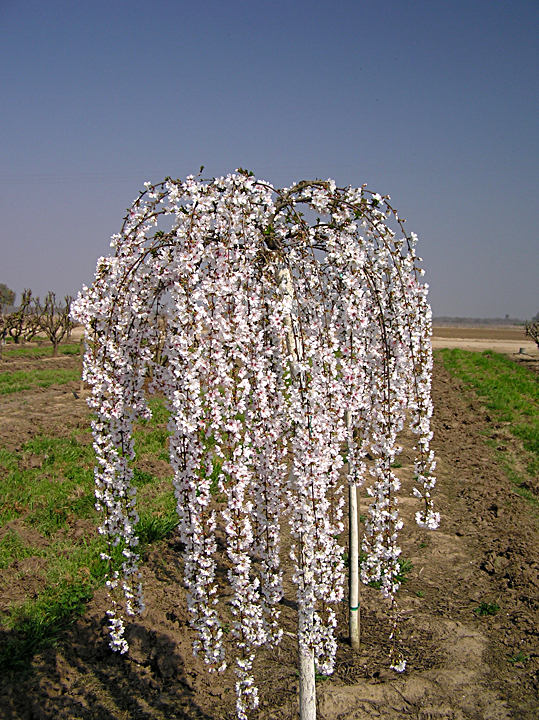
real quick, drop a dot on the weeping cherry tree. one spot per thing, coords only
(293, 334)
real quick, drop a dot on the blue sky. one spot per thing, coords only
(435, 103)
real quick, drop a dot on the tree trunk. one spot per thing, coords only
(353, 558)
(82, 349)
(307, 683)
(353, 613)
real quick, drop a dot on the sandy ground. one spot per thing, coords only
(511, 340)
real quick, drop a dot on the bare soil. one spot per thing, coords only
(511, 339)
(460, 666)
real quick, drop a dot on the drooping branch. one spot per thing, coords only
(282, 344)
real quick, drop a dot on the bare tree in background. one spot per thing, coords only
(55, 321)
(532, 329)
(32, 320)
(18, 321)
(7, 298)
(4, 329)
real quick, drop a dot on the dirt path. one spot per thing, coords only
(460, 666)
(510, 340)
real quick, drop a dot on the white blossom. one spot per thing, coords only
(277, 343)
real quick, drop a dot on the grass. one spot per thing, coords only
(13, 548)
(56, 486)
(12, 382)
(47, 493)
(36, 625)
(152, 528)
(510, 392)
(41, 351)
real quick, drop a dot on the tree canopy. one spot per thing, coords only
(7, 296)
(293, 335)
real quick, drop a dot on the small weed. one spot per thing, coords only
(160, 414)
(216, 472)
(320, 678)
(420, 593)
(140, 477)
(517, 478)
(405, 566)
(520, 657)
(484, 609)
(423, 544)
(37, 624)
(151, 440)
(362, 518)
(396, 464)
(152, 528)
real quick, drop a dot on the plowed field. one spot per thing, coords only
(469, 606)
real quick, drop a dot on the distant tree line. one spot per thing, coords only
(447, 320)
(33, 317)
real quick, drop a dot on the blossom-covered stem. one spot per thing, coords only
(277, 342)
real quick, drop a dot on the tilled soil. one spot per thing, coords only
(460, 665)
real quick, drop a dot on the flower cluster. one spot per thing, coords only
(288, 350)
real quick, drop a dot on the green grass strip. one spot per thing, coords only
(509, 391)
(12, 382)
(40, 351)
(55, 488)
